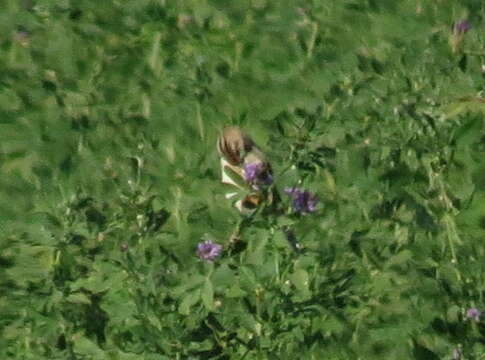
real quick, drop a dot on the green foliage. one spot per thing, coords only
(110, 178)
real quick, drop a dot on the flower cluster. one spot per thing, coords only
(474, 313)
(303, 200)
(462, 27)
(458, 35)
(208, 250)
(257, 173)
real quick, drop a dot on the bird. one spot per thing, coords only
(238, 152)
(245, 166)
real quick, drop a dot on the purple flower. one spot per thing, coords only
(303, 200)
(474, 313)
(257, 173)
(208, 250)
(462, 27)
(23, 37)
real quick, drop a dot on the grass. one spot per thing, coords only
(109, 117)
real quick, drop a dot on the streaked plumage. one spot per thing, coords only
(245, 166)
(238, 151)
(233, 144)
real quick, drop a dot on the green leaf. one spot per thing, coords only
(462, 107)
(78, 298)
(330, 182)
(300, 280)
(256, 247)
(188, 301)
(422, 353)
(195, 280)
(207, 295)
(399, 259)
(85, 347)
(235, 292)
(223, 276)
(248, 279)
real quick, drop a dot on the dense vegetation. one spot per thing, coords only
(110, 179)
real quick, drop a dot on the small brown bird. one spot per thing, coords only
(237, 150)
(243, 164)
